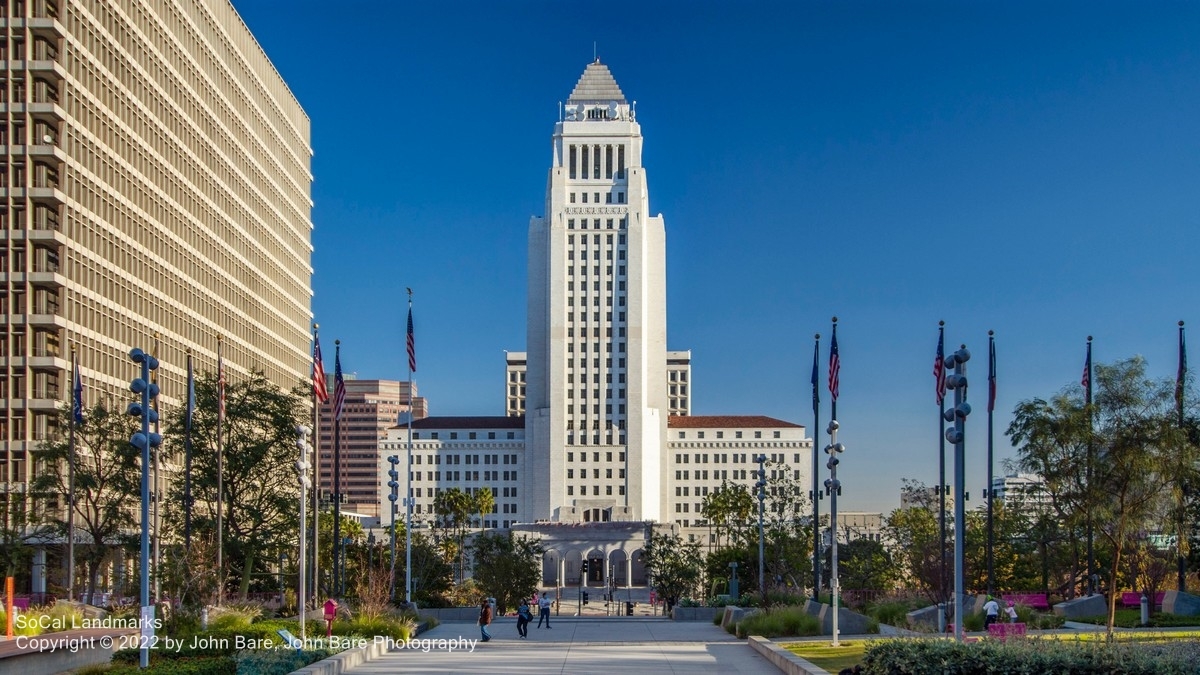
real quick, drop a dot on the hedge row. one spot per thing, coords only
(1031, 656)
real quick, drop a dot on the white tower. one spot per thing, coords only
(596, 403)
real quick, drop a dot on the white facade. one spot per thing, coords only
(597, 328)
(597, 436)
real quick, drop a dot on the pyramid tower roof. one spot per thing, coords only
(596, 85)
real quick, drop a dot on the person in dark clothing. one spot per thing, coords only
(524, 616)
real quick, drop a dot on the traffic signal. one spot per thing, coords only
(585, 597)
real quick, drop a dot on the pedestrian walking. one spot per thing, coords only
(544, 610)
(1011, 610)
(485, 618)
(524, 617)
(991, 610)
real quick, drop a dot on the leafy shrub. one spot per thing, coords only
(398, 628)
(779, 622)
(216, 665)
(1031, 656)
(893, 613)
(276, 661)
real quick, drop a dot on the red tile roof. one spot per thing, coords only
(727, 421)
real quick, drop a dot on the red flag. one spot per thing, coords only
(320, 388)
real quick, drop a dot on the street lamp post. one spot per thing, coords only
(145, 440)
(834, 486)
(958, 382)
(302, 466)
(761, 486)
(394, 487)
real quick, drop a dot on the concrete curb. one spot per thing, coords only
(340, 663)
(351, 658)
(784, 660)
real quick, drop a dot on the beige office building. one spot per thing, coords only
(155, 180)
(371, 408)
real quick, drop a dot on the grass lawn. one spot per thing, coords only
(833, 659)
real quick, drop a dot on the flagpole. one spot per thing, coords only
(187, 456)
(991, 406)
(1091, 553)
(1180, 381)
(76, 412)
(941, 355)
(316, 559)
(157, 498)
(410, 339)
(816, 490)
(220, 472)
(337, 473)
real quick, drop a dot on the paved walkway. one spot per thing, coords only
(578, 646)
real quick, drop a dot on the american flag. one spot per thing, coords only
(835, 365)
(939, 369)
(339, 385)
(991, 375)
(320, 388)
(220, 389)
(412, 345)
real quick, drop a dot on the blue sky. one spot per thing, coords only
(1031, 168)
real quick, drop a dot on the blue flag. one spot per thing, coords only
(77, 398)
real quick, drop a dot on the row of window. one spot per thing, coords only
(609, 223)
(586, 161)
(471, 435)
(608, 490)
(608, 197)
(608, 473)
(736, 434)
(723, 458)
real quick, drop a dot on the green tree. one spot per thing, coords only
(483, 502)
(865, 564)
(1127, 432)
(432, 576)
(916, 537)
(260, 516)
(1052, 441)
(507, 567)
(453, 508)
(674, 566)
(731, 510)
(107, 482)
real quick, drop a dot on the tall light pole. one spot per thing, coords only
(761, 486)
(394, 486)
(834, 486)
(144, 440)
(958, 382)
(302, 466)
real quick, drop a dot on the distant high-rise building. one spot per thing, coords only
(154, 192)
(371, 408)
